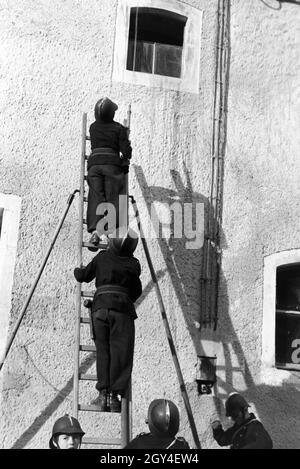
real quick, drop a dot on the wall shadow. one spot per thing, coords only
(179, 263)
(277, 407)
(183, 265)
(49, 410)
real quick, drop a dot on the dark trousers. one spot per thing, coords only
(106, 183)
(114, 339)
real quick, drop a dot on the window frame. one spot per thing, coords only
(191, 52)
(269, 369)
(8, 253)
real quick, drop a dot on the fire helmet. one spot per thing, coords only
(234, 403)
(66, 425)
(123, 241)
(105, 109)
(163, 418)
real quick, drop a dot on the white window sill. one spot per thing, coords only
(272, 376)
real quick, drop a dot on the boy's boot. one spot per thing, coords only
(114, 402)
(101, 401)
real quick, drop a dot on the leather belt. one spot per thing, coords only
(104, 289)
(104, 151)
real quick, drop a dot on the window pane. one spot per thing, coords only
(143, 57)
(168, 60)
(130, 55)
(165, 29)
(287, 338)
(157, 25)
(288, 287)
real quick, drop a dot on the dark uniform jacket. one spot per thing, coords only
(110, 269)
(251, 434)
(149, 441)
(111, 135)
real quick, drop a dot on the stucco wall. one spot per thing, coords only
(261, 196)
(62, 63)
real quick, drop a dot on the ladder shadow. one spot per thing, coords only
(39, 421)
(184, 267)
(265, 397)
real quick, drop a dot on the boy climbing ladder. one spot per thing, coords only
(117, 274)
(106, 168)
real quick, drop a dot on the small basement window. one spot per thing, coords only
(287, 343)
(155, 42)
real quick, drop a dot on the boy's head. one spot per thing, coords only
(163, 418)
(66, 433)
(236, 407)
(123, 241)
(105, 110)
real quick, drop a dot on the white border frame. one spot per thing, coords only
(269, 306)
(190, 78)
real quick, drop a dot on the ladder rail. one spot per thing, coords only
(126, 418)
(79, 260)
(126, 405)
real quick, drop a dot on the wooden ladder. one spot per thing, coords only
(83, 319)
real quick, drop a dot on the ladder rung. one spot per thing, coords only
(98, 441)
(87, 348)
(90, 408)
(87, 137)
(85, 178)
(84, 377)
(85, 320)
(87, 294)
(90, 245)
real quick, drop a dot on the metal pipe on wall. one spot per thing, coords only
(211, 252)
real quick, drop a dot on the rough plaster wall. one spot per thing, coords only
(261, 198)
(61, 64)
(56, 72)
